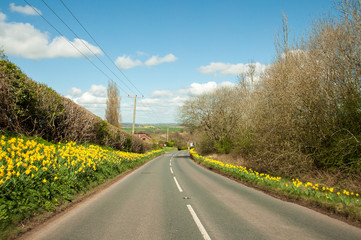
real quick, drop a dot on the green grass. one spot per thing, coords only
(336, 201)
(155, 128)
(38, 176)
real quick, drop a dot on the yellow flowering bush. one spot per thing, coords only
(36, 176)
(308, 189)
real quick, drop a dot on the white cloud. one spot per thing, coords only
(150, 101)
(24, 40)
(98, 90)
(161, 106)
(60, 47)
(161, 93)
(177, 101)
(95, 97)
(199, 88)
(166, 98)
(158, 109)
(75, 91)
(196, 89)
(230, 69)
(155, 60)
(89, 98)
(125, 62)
(2, 17)
(27, 10)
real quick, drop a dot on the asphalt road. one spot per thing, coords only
(173, 198)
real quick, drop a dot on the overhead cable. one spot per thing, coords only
(86, 45)
(105, 53)
(71, 43)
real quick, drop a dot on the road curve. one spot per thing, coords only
(171, 197)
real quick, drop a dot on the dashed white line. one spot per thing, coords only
(179, 187)
(194, 215)
(198, 222)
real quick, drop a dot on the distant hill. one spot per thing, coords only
(154, 128)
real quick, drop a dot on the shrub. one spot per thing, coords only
(33, 109)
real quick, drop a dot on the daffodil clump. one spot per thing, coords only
(36, 176)
(306, 189)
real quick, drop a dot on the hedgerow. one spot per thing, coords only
(33, 109)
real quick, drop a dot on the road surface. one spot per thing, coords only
(171, 197)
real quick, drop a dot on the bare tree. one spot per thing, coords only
(215, 114)
(303, 113)
(282, 38)
(112, 113)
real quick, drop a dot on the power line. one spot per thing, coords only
(135, 109)
(105, 53)
(82, 41)
(152, 117)
(85, 56)
(70, 42)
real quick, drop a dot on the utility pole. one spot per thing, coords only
(167, 134)
(135, 108)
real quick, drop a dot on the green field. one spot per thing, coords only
(153, 128)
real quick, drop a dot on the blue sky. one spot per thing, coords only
(170, 50)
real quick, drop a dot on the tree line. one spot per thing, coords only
(303, 112)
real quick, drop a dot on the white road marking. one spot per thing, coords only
(198, 222)
(179, 187)
(171, 170)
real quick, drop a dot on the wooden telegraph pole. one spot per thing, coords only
(135, 108)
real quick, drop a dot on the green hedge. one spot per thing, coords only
(33, 109)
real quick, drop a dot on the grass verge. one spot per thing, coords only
(37, 176)
(339, 203)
